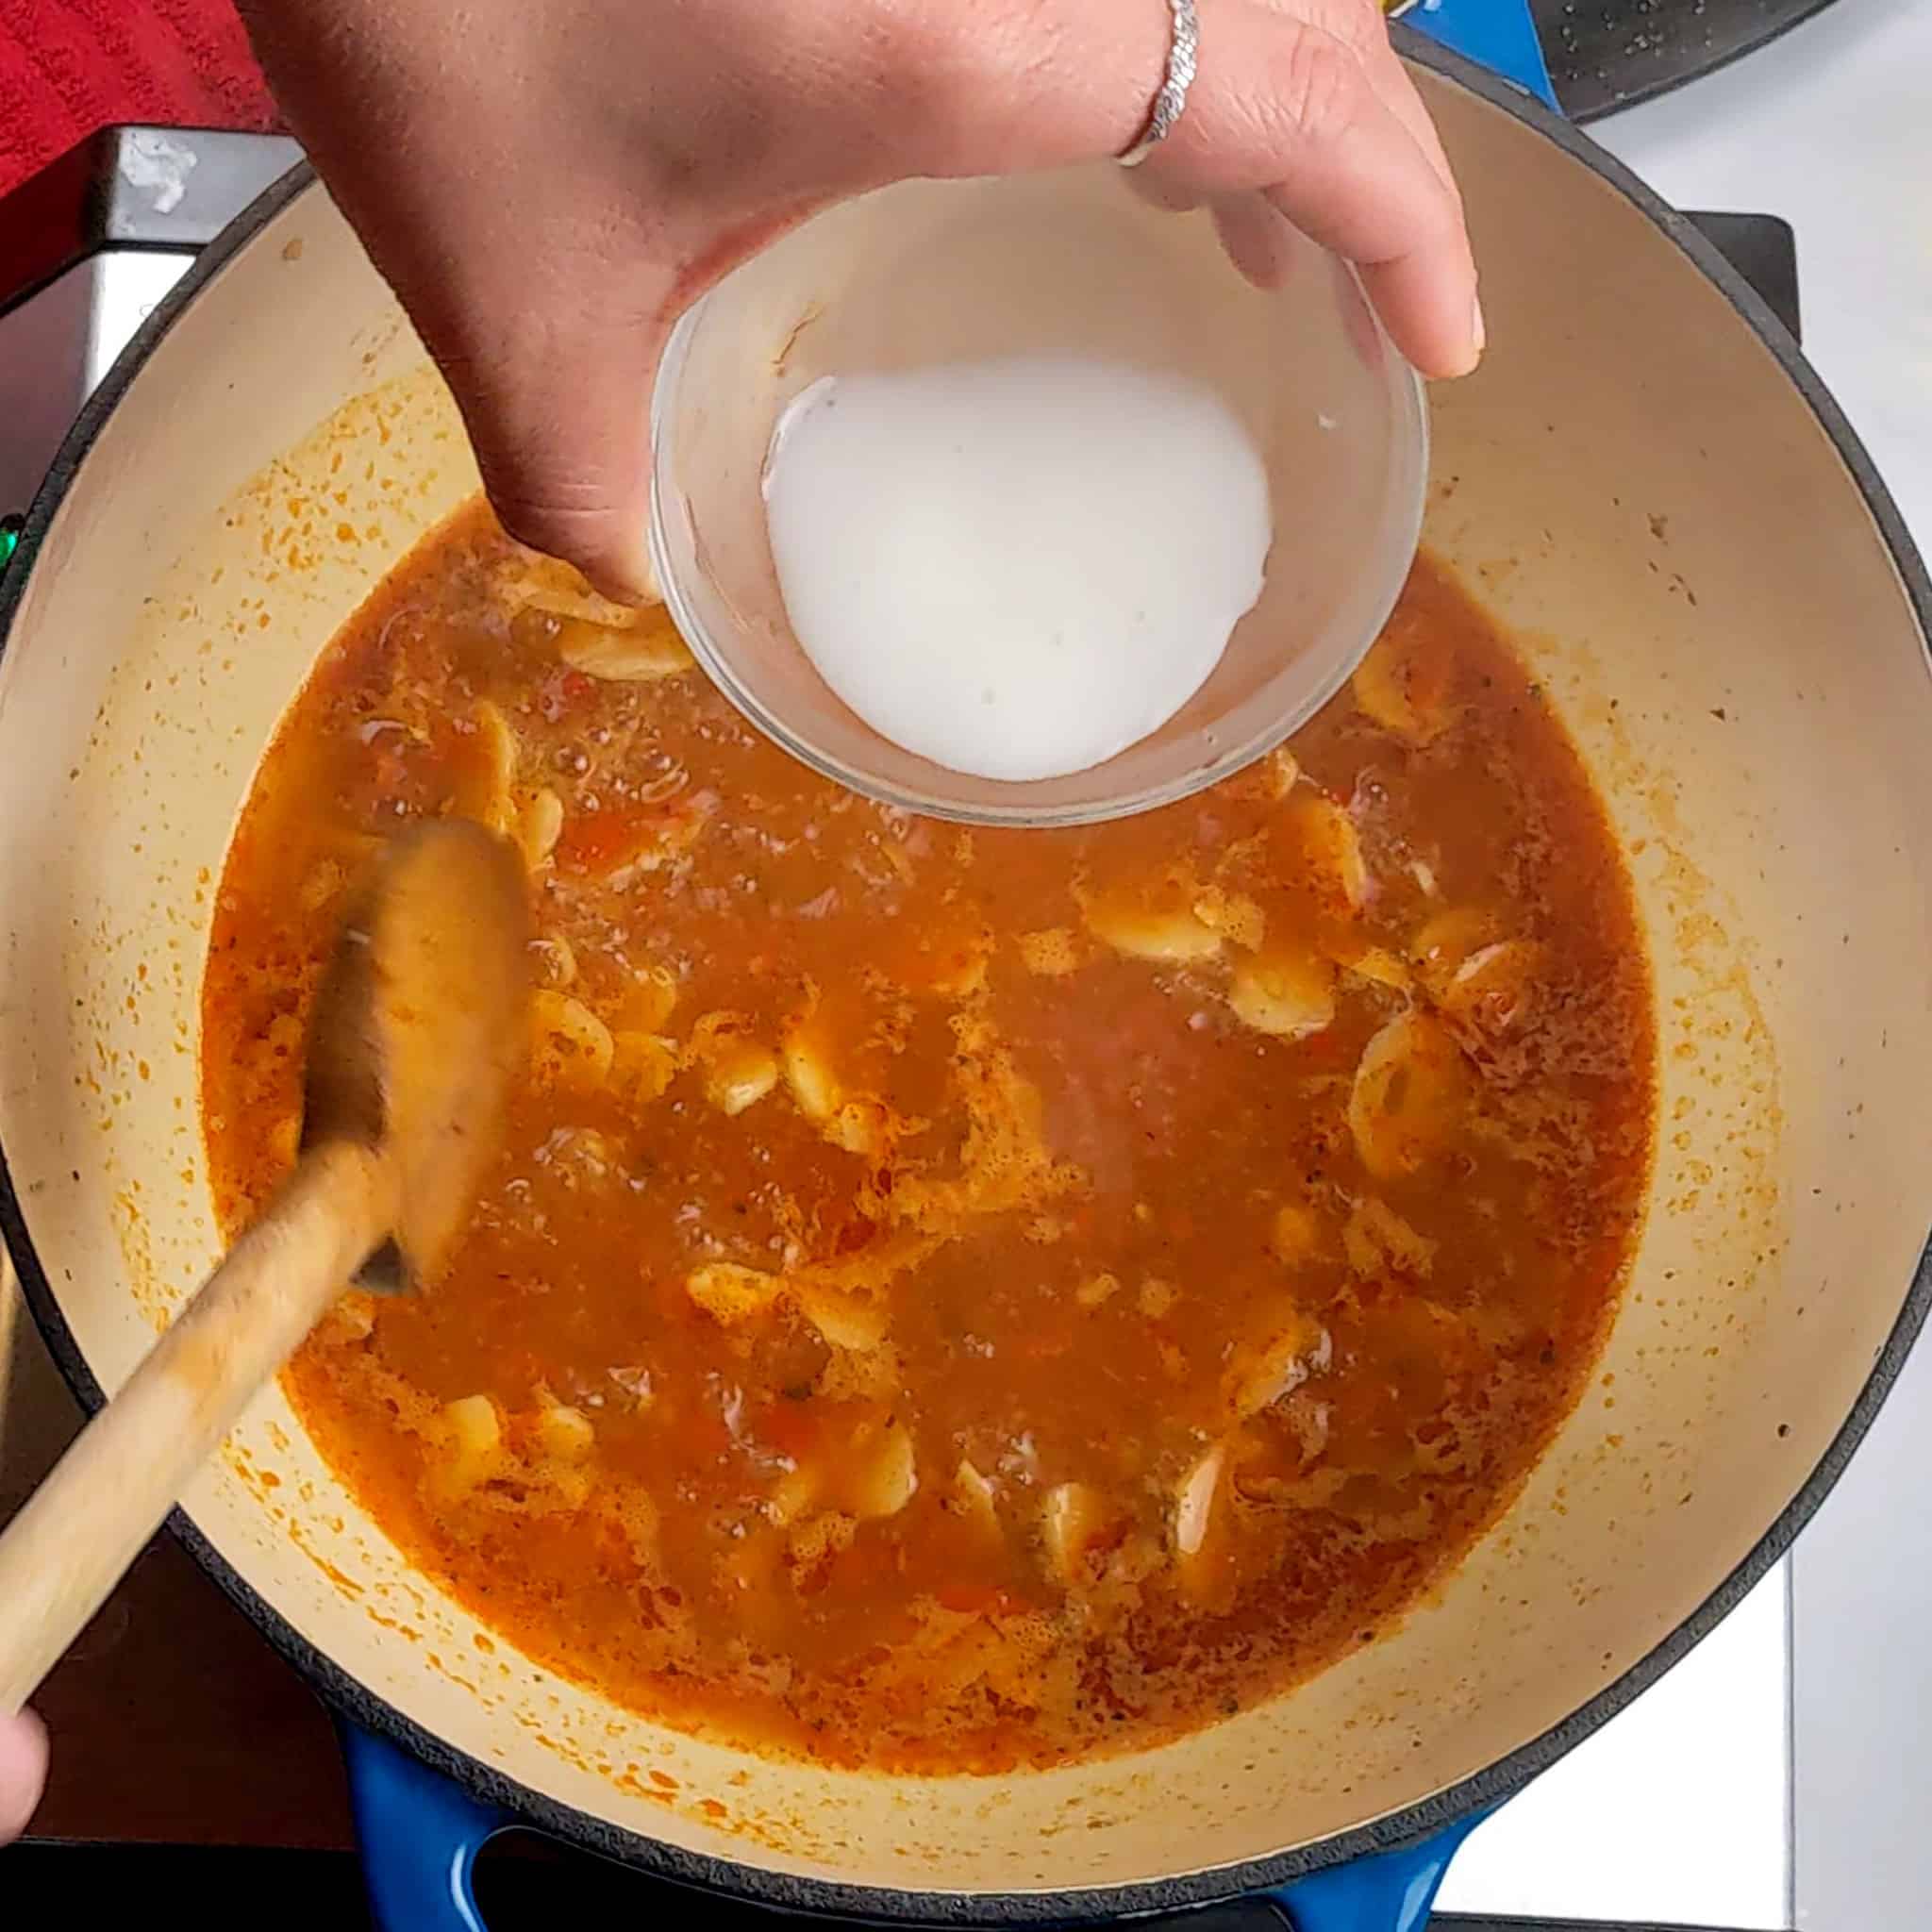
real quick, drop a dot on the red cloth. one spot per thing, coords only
(68, 67)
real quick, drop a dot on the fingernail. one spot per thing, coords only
(1476, 323)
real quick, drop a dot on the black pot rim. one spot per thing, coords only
(756, 1884)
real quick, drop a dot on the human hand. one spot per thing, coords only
(22, 1772)
(549, 187)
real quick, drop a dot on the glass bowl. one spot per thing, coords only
(940, 271)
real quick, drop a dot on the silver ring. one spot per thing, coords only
(1183, 58)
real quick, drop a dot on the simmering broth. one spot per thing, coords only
(956, 1298)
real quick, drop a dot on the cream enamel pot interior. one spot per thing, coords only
(1643, 481)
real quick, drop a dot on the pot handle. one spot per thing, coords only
(419, 1836)
(419, 1833)
(1384, 1891)
(1496, 34)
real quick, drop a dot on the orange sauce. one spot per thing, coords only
(955, 1299)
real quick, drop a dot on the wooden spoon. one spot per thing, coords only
(418, 1028)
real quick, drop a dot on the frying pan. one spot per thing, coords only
(1614, 53)
(1645, 481)
(1592, 60)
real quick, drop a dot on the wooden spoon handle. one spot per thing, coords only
(80, 1532)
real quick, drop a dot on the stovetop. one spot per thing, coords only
(1771, 1780)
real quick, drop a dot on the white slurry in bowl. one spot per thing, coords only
(1018, 567)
